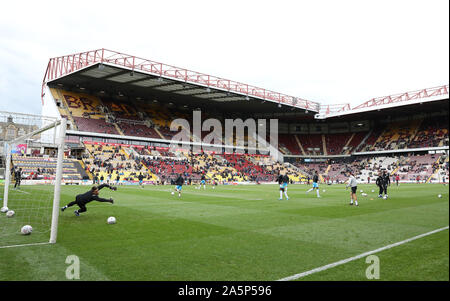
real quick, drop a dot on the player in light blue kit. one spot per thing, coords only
(202, 182)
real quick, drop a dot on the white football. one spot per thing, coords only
(4, 209)
(385, 197)
(26, 230)
(373, 190)
(10, 213)
(440, 195)
(323, 190)
(111, 220)
(361, 191)
(173, 193)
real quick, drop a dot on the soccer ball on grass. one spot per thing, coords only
(26, 230)
(10, 213)
(111, 220)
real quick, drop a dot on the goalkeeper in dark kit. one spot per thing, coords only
(92, 195)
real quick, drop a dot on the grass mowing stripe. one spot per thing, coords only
(332, 265)
(204, 236)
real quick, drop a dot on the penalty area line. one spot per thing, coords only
(340, 262)
(25, 245)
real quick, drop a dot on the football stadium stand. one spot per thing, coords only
(44, 168)
(128, 132)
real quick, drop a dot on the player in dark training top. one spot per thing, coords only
(92, 195)
(17, 177)
(315, 184)
(386, 182)
(283, 180)
(141, 180)
(179, 184)
(382, 182)
(379, 183)
(202, 182)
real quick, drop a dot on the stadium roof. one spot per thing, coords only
(131, 76)
(392, 112)
(410, 98)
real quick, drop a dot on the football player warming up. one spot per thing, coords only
(354, 185)
(283, 180)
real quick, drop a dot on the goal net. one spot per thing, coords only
(31, 169)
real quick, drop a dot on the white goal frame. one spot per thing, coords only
(60, 142)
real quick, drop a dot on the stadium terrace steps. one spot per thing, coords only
(312, 143)
(435, 170)
(300, 145)
(334, 144)
(416, 130)
(362, 146)
(327, 170)
(79, 165)
(395, 170)
(346, 148)
(86, 169)
(166, 132)
(356, 141)
(287, 142)
(118, 129)
(324, 144)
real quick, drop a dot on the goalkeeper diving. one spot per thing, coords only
(92, 195)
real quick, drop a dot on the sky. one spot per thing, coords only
(332, 52)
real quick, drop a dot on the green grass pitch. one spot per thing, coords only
(230, 233)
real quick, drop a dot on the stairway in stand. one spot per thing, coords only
(324, 143)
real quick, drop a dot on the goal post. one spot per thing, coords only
(58, 178)
(32, 165)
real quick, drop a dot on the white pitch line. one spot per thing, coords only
(21, 191)
(25, 245)
(332, 265)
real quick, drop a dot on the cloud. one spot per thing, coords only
(326, 51)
